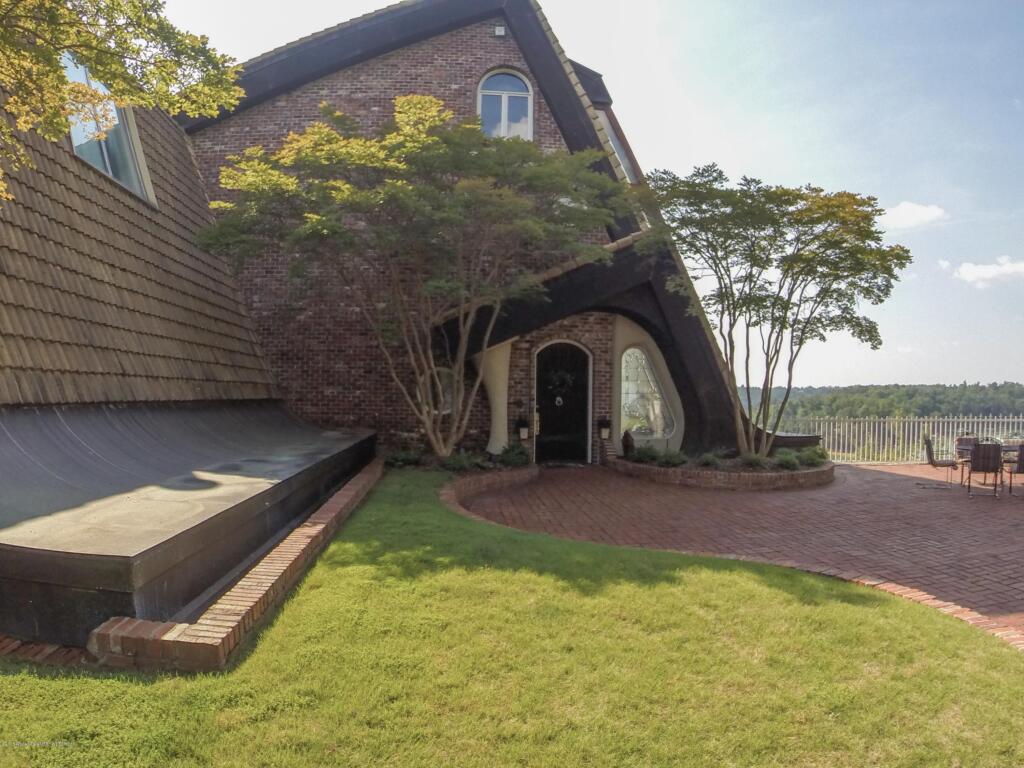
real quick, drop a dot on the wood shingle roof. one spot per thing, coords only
(105, 297)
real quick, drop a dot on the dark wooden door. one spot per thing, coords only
(563, 403)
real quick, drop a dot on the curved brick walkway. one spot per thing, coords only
(885, 524)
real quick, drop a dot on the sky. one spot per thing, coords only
(918, 103)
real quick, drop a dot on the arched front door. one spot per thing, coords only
(563, 403)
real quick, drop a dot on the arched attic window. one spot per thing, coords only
(505, 105)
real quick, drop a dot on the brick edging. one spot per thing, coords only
(733, 481)
(206, 644)
(453, 494)
(1011, 635)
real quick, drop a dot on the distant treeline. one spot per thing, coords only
(1006, 399)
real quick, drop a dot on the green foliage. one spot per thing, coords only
(515, 455)
(672, 459)
(405, 458)
(786, 267)
(648, 454)
(786, 458)
(1005, 399)
(645, 454)
(427, 225)
(464, 461)
(753, 461)
(709, 460)
(127, 45)
(813, 456)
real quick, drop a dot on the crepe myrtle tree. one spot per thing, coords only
(780, 268)
(129, 46)
(429, 227)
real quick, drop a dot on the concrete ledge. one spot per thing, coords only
(693, 477)
(462, 488)
(205, 645)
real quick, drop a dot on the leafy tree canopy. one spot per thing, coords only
(127, 45)
(878, 401)
(429, 228)
(783, 267)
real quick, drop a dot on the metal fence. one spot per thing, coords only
(899, 440)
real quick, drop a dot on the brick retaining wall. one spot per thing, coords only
(723, 480)
(208, 643)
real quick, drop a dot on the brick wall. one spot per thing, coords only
(325, 362)
(593, 330)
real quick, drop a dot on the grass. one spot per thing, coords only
(425, 639)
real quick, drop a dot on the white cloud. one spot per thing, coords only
(907, 215)
(944, 265)
(982, 275)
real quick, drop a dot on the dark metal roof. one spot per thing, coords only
(593, 84)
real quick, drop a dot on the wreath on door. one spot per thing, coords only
(560, 383)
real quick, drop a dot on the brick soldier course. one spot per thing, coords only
(896, 528)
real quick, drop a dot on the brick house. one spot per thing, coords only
(163, 420)
(611, 345)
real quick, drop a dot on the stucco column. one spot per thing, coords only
(495, 363)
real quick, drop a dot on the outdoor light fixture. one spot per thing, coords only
(524, 428)
(605, 426)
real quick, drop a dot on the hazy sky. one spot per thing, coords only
(920, 104)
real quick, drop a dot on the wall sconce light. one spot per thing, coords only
(605, 427)
(523, 425)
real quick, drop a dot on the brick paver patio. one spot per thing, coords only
(897, 524)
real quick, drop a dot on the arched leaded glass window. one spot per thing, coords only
(645, 411)
(506, 106)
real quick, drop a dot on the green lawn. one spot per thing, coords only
(424, 639)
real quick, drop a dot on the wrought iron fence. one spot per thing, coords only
(899, 440)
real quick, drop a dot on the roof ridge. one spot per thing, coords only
(263, 58)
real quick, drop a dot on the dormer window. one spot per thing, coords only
(506, 106)
(111, 148)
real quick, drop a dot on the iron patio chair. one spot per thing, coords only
(1015, 466)
(986, 458)
(947, 464)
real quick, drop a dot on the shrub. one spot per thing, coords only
(672, 459)
(404, 458)
(462, 462)
(645, 454)
(515, 455)
(813, 456)
(722, 452)
(753, 461)
(709, 460)
(787, 459)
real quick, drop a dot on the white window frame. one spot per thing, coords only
(126, 117)
(481, 92)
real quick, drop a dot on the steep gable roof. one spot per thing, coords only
(571, 96)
